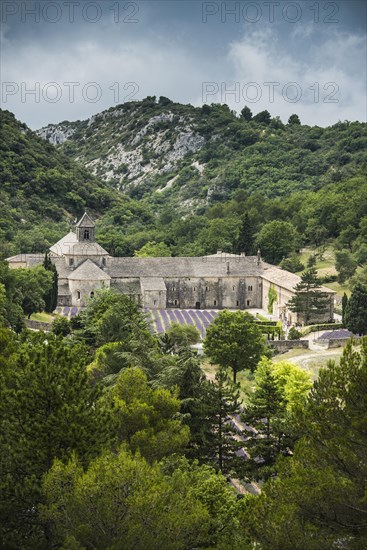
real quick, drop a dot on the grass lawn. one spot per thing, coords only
(325, 267)
(310, 360)
(43, 317)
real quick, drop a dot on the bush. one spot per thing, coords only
(61, 326)
(294, 334)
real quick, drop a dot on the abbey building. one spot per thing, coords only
(216, 281)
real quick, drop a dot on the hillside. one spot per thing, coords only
(41, 189)
(195, 157)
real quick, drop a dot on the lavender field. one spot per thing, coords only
(161, 319)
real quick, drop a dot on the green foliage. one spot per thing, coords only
(309, 301)
(281, 389)
(123, 502)
(145, 418)
(183, 335)
(32, 285)
(51, 295)
(246, 113)
(294, 334)
(277, 239)
(48, 410)
(355, 315)
(344, 306)
(294, 119)
(272, 298)
(234, 341)
(153, 249)
(61, 326)
(345, 265)
(318, 498)
(292, 264)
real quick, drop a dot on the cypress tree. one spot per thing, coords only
(50, 297)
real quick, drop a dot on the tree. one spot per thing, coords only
(246, 113)
(183, 335)
(234, 341)
(276, 240)
(292, 263)
(356, 310)
(61, 326)
(294, 120)
(122, 502)
(345, 265)
(344, 307)
(48, 410)
(32, 285)
(309, 301)
(263, 414)
(153, 249)
(246, 240)
(144, 418)
(223, 396)
(263, 116)
(318, 499)
(50, 296)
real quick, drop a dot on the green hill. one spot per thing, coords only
(41, 189)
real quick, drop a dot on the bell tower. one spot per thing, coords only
(85, 229)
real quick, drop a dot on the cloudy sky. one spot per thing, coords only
(66, 60)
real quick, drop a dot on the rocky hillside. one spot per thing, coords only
(194, 157)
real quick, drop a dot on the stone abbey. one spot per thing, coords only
(216, 281)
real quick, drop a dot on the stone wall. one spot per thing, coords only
(37, 325)
(285, 345)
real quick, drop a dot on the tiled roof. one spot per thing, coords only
(86, 248)
(88, 270)
(206, 266)
(31, 260)
(285, 279)
(64, 245)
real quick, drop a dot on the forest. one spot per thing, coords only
(113, 438)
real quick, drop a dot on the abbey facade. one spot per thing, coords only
(216, 281)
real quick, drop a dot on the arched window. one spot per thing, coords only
(176, 302)
(103, 261)
(78, 295)
(215, 302)
(71, 261)
(86, 234)
(92, 294)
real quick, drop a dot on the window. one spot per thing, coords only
(237, 303)
(78, 294)
(103, 261)
(173, 288)
(194, 288)
(176, 302)
(92, 294)
(155, 302)
(249, 288)
(206, 288)
(71, 261)
(248, 302)
(233, 288)
(215, 302)
(86, 234)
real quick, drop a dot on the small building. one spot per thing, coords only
(217, 281)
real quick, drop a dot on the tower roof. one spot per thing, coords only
(85, 221)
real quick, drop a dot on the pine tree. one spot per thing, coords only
(309, 301)
(48, 410)
(263, 416)
(223, 400)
